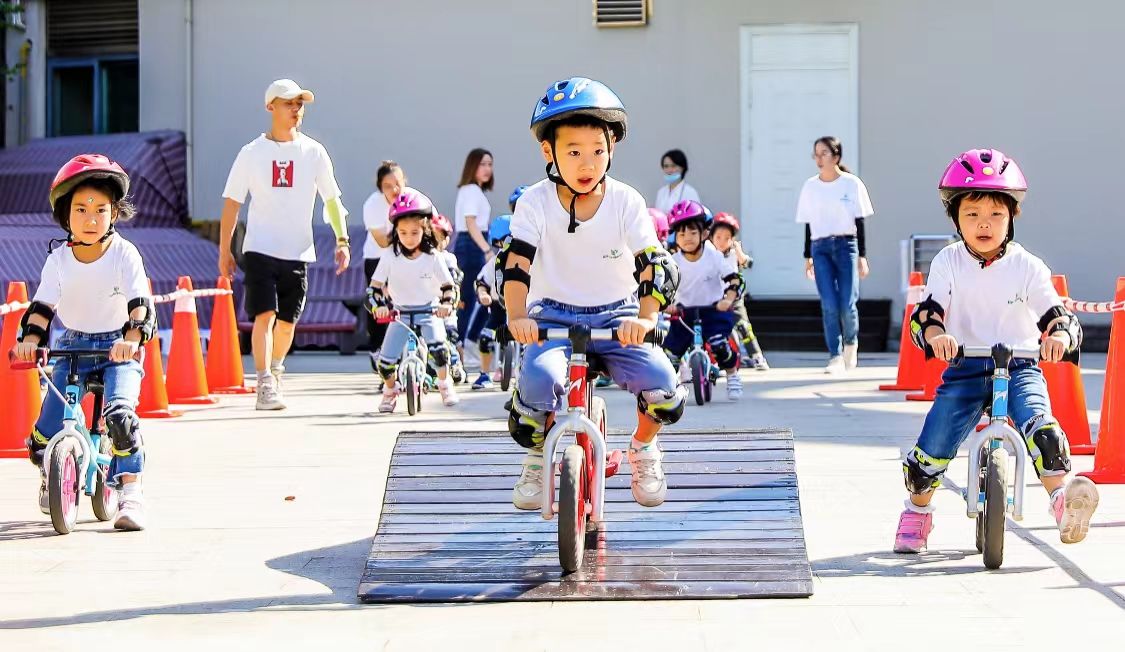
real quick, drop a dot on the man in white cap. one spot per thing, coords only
(282, 170)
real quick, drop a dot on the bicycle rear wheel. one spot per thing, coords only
(105, 498)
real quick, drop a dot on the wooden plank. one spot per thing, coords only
(614, 518)
(611, 538)
(553, 591)
(610, 574)
(672, 468)
(484, 447)
(624, 508)
(520, 549)
(539, 526)
(619, 496)
(619, 481)
(515, 457)
(668, 433)
(762, 559)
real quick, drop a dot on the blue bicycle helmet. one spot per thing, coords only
(578, 96)
(514, 197)
(500, 228)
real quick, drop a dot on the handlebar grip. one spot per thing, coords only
(41, 356)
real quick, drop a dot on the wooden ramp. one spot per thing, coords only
(730, 528)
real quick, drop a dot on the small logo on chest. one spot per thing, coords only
(283, 174)
(1017, 299)
(116, 292)
(613, 254)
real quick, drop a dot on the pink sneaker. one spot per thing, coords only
(913, 531)
(1073, 507)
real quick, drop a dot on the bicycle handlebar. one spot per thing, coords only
(1001, 354)
(43, 354)
(604, 334)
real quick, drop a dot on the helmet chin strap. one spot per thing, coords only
(574, 194)
(71, 242)
(985, 262)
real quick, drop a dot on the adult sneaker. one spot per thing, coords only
(130, 509)
(835, 365)
(269, 398)
(390, 398)
(528, 492)
(851, 356)
(449, 396)
(1072, 508)
(913, 532)
(734, 387)
(648, 483)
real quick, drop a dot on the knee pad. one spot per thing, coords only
(451, 334)
(1048, 447)
(725, 356)
(123, 426)
(745, 330)
(528, 427)
(36, 444)
(439, 353)
(486, 340)
(922, 472)
(386, 369)
(663, 407)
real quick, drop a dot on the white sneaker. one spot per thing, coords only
(835, 365)
(390, 398)
(648, 484)
(276, 371)
(130, 509)
(851, 356)
(760, 363)
(269, 397)
(528, 492)
(734, 387)
(685, 373)
(449, 396)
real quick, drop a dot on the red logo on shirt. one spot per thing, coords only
(283, 174)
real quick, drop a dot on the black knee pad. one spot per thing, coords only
(486, 340)
(528, 427)
(725, 356)
(386, 369)
(922, 472)
(439, 353)
(123, 426)
(663, 407)
(1048, 447)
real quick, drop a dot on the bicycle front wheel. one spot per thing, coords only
(62, 486)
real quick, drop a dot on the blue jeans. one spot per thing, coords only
(432, 328)
(961, 399)
(470, 259)
(837, 282)
(716, 325)
(122, 388)
(543, 374)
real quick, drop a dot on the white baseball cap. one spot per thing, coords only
(287, 89)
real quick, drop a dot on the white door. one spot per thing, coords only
(799, 82)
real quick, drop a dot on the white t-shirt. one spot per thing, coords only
(471, 201)
(282, 180)
(94, 297)
(450, 263)
(701, 281)
(594, 265)
(413, 282)
(376, 216)
(667, 197)
(998, 304)
(830, 207)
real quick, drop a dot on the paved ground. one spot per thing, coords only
(229, 562)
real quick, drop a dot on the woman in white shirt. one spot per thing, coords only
(675, 189)
(832, 206)
(471, 224)
(390, 181)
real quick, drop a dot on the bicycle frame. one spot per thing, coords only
(411, 360)
(998, 430)
(90, 461)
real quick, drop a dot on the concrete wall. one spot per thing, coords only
(426, 80)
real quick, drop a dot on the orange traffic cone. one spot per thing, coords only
(1109, 461)
(20, 389)
(187, 381)
(911, 359)
(932, 372)
(1068, 396)
(224, 356)
(154, 394)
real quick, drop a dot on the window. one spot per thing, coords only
(92, 71)
(622, 13)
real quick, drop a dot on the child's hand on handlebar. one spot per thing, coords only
(1054, 346)
(632, 330)
(123, 351)
(443, 310)
(484, 299)
(381, 312)
(524, 330)
(25, 351)
(944, 346)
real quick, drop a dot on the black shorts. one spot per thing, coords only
(274, 285)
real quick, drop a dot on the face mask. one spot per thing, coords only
(673, 178)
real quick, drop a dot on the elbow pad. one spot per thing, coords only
(665, 276)
(26, 328)
(145, 326)
(935, 315)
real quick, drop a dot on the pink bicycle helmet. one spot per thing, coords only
(410, 204)
(659, 222)
(441, 223)
(687, 211)
(728, 220)
(982, 170)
